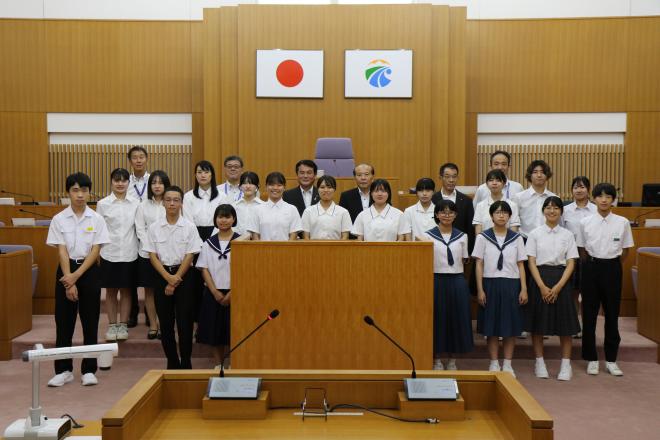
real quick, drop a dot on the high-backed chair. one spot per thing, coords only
(2, 224)
(634, 271)
(6, 248)
(335, 156)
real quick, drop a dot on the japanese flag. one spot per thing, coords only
(289, 73)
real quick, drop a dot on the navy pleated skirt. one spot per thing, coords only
(452, 323)
(556, 319)
(146, 274)
(119, 275)
(502, 315)
(214, 321)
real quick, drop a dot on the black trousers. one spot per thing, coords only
(179, 310)
(601, 285)
(88, 307)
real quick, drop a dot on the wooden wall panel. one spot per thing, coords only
(229, 83)
(642, 152)
(24, 154)
(99, 66)
(644, 64)
(457, 82)
(22, 62)
(440, 90)
(211, 102)
(549, 65)
(197, 66)
(274, 133)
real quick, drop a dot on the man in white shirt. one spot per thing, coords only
(358, 199)
(499, 160)
(530, 201)
(233, 167)
(603, 240)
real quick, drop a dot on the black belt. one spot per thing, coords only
(78, 261)
(172, 269)
(601, 260)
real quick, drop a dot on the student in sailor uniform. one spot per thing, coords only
(149, 212)
(275, 220)
(603, 241)
(552, 253)
(452, 322)
(172, 242)
(326, 220)
(381, 221)
(574, 212)
(419, 218)
(501, 285)
(214, 262)
(78, 234)
(119, 257)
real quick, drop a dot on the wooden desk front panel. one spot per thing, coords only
(7, 212)
(323, 290)
(643, 237)
(648, 299)
(15, 298)
(45, 257)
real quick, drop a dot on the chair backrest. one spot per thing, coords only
(335, 156)
(7, 248)
(2, 224)
(45, 222)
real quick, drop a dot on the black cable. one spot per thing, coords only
(75, 424)
(401, 419)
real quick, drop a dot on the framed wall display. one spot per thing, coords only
(289, 73)
(378, 73)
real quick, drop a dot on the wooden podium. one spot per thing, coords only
(15, 298)
(168, 405)
(323, 290)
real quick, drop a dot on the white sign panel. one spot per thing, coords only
(289, 73)
(378, 74)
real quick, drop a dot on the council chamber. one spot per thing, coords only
(329, 219)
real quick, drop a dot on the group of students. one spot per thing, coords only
(177, 246)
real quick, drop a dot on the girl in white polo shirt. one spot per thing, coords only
(326, 220)
(501, 285)
(382, 221)
(552, 253)
(420, 217)
(172, 242)
(248, 203)
(275, 220)
(150, 210)
(119, 257)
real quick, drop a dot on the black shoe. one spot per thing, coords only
(132, 322)
(153, 334)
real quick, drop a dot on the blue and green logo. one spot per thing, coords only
(378, 73)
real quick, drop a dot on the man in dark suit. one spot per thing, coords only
(357, 199)
(463, 221)
(305, 194)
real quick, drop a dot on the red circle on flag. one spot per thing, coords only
(289, 73)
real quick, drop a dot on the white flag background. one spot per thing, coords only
(378, 74)
(289, 74)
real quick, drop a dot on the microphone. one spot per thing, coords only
(635, 222)
(36, 213)
(370, 321)
(20, 195)
(272, 315)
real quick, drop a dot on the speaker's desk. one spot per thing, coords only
(167, 405)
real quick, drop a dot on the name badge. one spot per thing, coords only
(90, 229)
(617, 239)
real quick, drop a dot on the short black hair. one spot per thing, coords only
(205, 165)
(554, 201)
(81, 179)
(275, 178)
(164, 178)
(232, 157)
(328, 180)
(425, 183)
(249, 177)
(496, 175)
(441, 206)
(503, 153)
(502, 205)
(584, 180)
(135, 148)
(380, 184)
(606, 188)
(174, 188)
(120, 174)
(373, 170)
(450, 165)
(538, 163)
(308, 163)
(224, 210)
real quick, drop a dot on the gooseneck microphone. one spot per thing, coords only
(272, 315)
(635, 222)
(370, 321)
(20, 195)
(36, 213)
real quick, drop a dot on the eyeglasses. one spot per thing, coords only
(447, 213)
